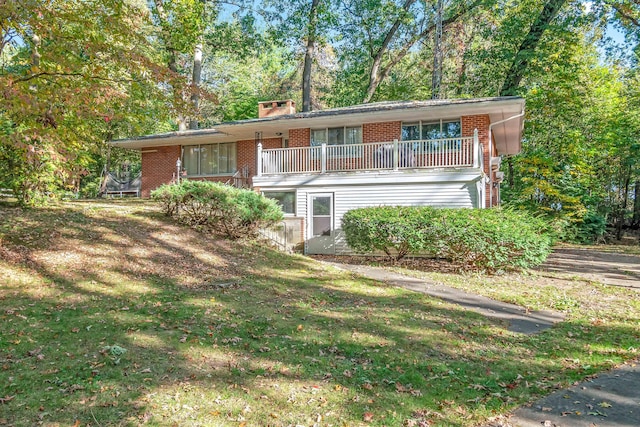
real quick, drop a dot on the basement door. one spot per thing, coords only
(320, 219)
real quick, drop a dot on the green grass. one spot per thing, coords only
(112, 315)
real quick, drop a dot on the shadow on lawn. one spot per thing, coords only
(201, 318)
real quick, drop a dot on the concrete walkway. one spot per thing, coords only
(517, 318)
(611, 399)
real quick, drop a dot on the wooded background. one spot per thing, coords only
(77, 73)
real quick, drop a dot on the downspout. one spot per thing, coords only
(499, 122)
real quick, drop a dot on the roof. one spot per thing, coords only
(507, 134)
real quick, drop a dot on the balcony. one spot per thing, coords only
(462, 152)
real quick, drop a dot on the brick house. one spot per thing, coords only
(320, 164)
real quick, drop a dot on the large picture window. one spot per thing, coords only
(337, 136)
(428, 131)
(416, 131)
(210, 159)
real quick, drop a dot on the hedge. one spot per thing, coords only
(218, 208)
(479, 239)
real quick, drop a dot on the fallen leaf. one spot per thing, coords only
(367, 417)
(604, 405)
(7, 399)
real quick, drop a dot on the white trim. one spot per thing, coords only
(368, 178)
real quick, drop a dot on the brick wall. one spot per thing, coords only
(371, 132)
(247, 150)
(381, 132)
(299, 137)
(158, 166)
(481, 122)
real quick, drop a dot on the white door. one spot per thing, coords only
(320, 230)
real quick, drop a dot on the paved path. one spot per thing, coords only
(610, 400)
(608, 268)
(518, 318)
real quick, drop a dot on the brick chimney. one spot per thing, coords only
(276, 108)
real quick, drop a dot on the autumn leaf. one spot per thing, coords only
(7, 399)
(604, 405)
(367, 417)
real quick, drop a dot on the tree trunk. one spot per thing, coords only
(436, 77)
(623, 207)
(635, 224)
(528, 46)
(172, 62)
(511, 179)
(195, 83)
(308, 56)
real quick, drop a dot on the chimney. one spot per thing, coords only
(276, 108)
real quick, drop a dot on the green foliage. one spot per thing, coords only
(479, 239)
(592, 227)
(74, 74)
(218, 208)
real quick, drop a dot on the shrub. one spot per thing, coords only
(592, 227)
(397, 231)
(218, 208)
(485, 239)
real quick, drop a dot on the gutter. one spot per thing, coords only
(499, 122)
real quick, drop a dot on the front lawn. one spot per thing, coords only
(112, 315)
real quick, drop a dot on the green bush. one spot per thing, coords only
(592, 227)
(480, 239)
(218, 208)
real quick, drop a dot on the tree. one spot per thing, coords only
(66, 66)
(381, 35)
(182, 25)
(305, 27)
(522, 57)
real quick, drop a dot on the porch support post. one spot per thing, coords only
(396, 156)
(323, 158)
(259, 159)
(476, 149)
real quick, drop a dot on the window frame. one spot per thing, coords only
(217, 150)
(326, 135)
(425, 142)
(288, 190)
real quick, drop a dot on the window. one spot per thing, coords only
(343, 136)
(321, 215)
(426, 131)
(210, 159)
(337, 136)
(286, 200)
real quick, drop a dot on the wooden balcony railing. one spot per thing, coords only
(396, 155)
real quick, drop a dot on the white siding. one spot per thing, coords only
(457, 190)
(459, 195)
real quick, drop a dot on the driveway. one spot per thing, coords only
(609, 268)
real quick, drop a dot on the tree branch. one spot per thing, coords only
(84, 76)
(626, 13)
